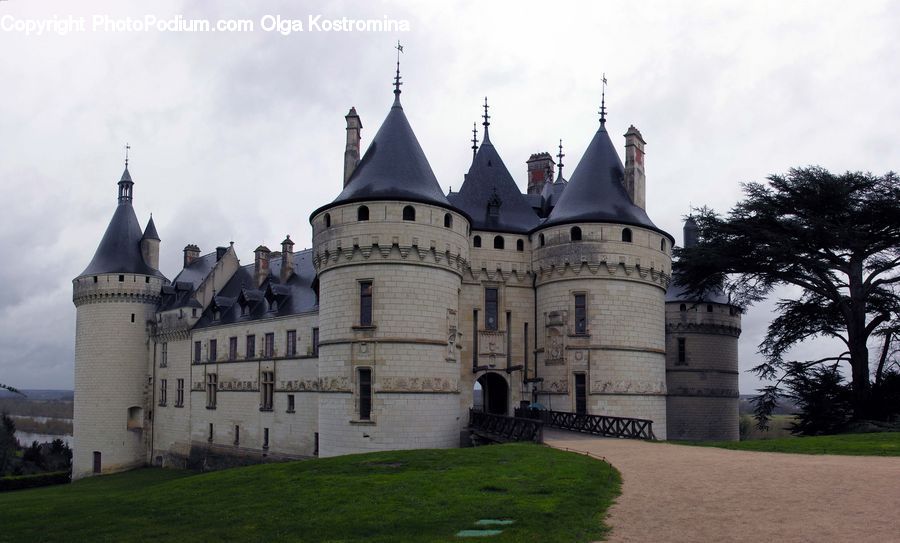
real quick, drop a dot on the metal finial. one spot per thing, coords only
(560, 157)
(397, 82)
(474, 139)
(603, 102)
(127, 148)
(486, 117)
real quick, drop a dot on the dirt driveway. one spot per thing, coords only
(677, 493)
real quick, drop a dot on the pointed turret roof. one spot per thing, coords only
(120, 249)
(676, 292)
(595, 192)
(150, 230)
(489, 179)
(393, 168)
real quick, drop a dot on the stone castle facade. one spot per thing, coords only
(411, 307)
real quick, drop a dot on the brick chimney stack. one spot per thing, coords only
(540, 170)
(287, 259)
(635, 180)
(191, 253)
(261, 264)
(351, 153)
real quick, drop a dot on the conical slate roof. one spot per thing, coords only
(488, 176)
(595, 192)
(120, 249)
(393, 168)
(150, 230)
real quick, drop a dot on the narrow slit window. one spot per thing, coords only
(491, 308)
(365, 303)
(365, 394)
(581, 314)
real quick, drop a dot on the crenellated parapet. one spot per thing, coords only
(113, 288)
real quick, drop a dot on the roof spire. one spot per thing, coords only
(603, 103)
(125, 183)
(397, 82)
(559, 160)
(487, 120)
(474, 140)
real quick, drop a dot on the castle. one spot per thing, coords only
(412, 307)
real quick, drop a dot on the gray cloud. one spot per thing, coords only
(238, 137)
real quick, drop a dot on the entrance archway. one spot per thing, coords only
(494, 394)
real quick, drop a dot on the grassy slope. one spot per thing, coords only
(425, 495)
(875, 444)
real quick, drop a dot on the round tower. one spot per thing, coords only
(701, 362)
(602, 270)
(115, 299)
(389, 254)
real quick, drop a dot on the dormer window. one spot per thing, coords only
(494, 204)
(217, 315)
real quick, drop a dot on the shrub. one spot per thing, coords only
(33, 481)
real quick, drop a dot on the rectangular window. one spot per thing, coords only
(682, 352)
(265, 438)
(163, 386)
(580, 314)
(290, 408)
(212, 382)
(237, 434)
(490, 309)
(197, 350)
(179, 393)
(210, 436)
(315, 342)
(251, 346)
(232, 348)
(267, 390)
(269, 346)
(164, 357)
(365, 303)
(365, 394)
(213, 354)
(291, 348)
(580, 394)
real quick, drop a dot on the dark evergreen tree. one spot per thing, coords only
(837, 238)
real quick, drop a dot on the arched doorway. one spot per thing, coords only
(494, 394)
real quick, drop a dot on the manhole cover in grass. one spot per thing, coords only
(494, 522)
(478, 533)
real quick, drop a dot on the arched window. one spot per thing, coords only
(520, 245)
(682, 308)
(409, 213)
(477, 241)
(328, 220)
(448, 220)
(362, 214)
(576, 233)
(662, 245)
(541, 238)
(498, 242)
(626, 235)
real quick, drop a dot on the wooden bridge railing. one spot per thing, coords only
(598, 425)
(500, 428)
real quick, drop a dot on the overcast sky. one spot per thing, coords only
(238, 136)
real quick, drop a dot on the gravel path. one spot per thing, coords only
(677, 493)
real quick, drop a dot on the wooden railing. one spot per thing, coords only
(499, 428)
(598, 425)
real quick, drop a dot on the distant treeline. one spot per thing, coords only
(55, 427)
(27, 407)
(785, 406)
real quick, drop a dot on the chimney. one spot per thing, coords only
(287, 259)
(220, 252)
(261, 266)
(351, 153)
(191, 253)
(635, 180)
(540, 171)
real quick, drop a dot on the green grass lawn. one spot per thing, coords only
(875, 444)
(424, 495)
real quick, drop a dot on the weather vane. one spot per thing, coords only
(603, 102)
(560, 157)
(397, 82)
(127, 148)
